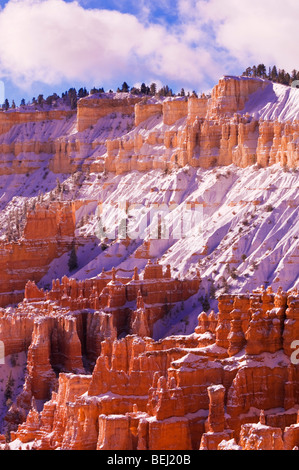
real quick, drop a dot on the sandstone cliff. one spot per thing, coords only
(149, 393)
(48, 233)
(121, 346)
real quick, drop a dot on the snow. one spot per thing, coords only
(14, 367)
(237, 244)
(242, 360)
(42, 131)
(246, 244)
(274, 102)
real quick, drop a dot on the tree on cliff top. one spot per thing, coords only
(274, 75)
(124, 89)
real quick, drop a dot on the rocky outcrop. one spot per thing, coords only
(231, 94)
(12, 118)
(28, 137)
(177, 393)
(49, 231)
(261, 437)
(93, 369)
(92, 108)
(154, 295)
(164, 132)
(215, 425)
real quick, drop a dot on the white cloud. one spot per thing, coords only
(53, 41)
(259, 31)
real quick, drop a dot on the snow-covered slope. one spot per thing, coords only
(248, 235)
(274, 102)
(244, 221)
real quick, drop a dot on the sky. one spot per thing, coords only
(49, 46)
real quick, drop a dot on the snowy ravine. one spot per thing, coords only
(248, 212)
(247, 237)
(237, 227)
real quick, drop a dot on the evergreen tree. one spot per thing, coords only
(269, 73)
(153, 89)
(274, 73)
(73, 260)
(9, 387)
(58, 186)
(143, 89)
(125, 88)
(248, 72)
(294, 75)
(40, 100)
(135, 91)
(261, 70)
(206, 304)
(165, 91)
(49, 100)
(82, 92)
(72, 96)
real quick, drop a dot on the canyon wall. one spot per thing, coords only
(48, 234)
(230, 384)
(200, 131)
(91, 109)
(203, 132)
(93, 368)
(28, 137)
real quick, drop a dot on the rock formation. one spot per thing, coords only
(181, 392)
(99, 371)
(49, 231)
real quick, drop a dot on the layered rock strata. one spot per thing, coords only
(182, 392)
(48, 234)
(149, 133)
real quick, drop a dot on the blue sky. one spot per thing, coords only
(49, 46)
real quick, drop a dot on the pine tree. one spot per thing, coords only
(206, 304)
(40, 100)
(72, 96)
(261, 70)
(153, 89)
(125, 88)
(9, 387)
(274, 73)
(82, 92)
(58, 186)
(143, 89)
(73, 260)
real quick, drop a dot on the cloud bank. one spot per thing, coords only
(259, 31)
(54, 41)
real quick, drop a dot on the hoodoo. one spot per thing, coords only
(149, 271)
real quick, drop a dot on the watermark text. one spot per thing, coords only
(157, 221)
(2, 353)
(295, 354)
